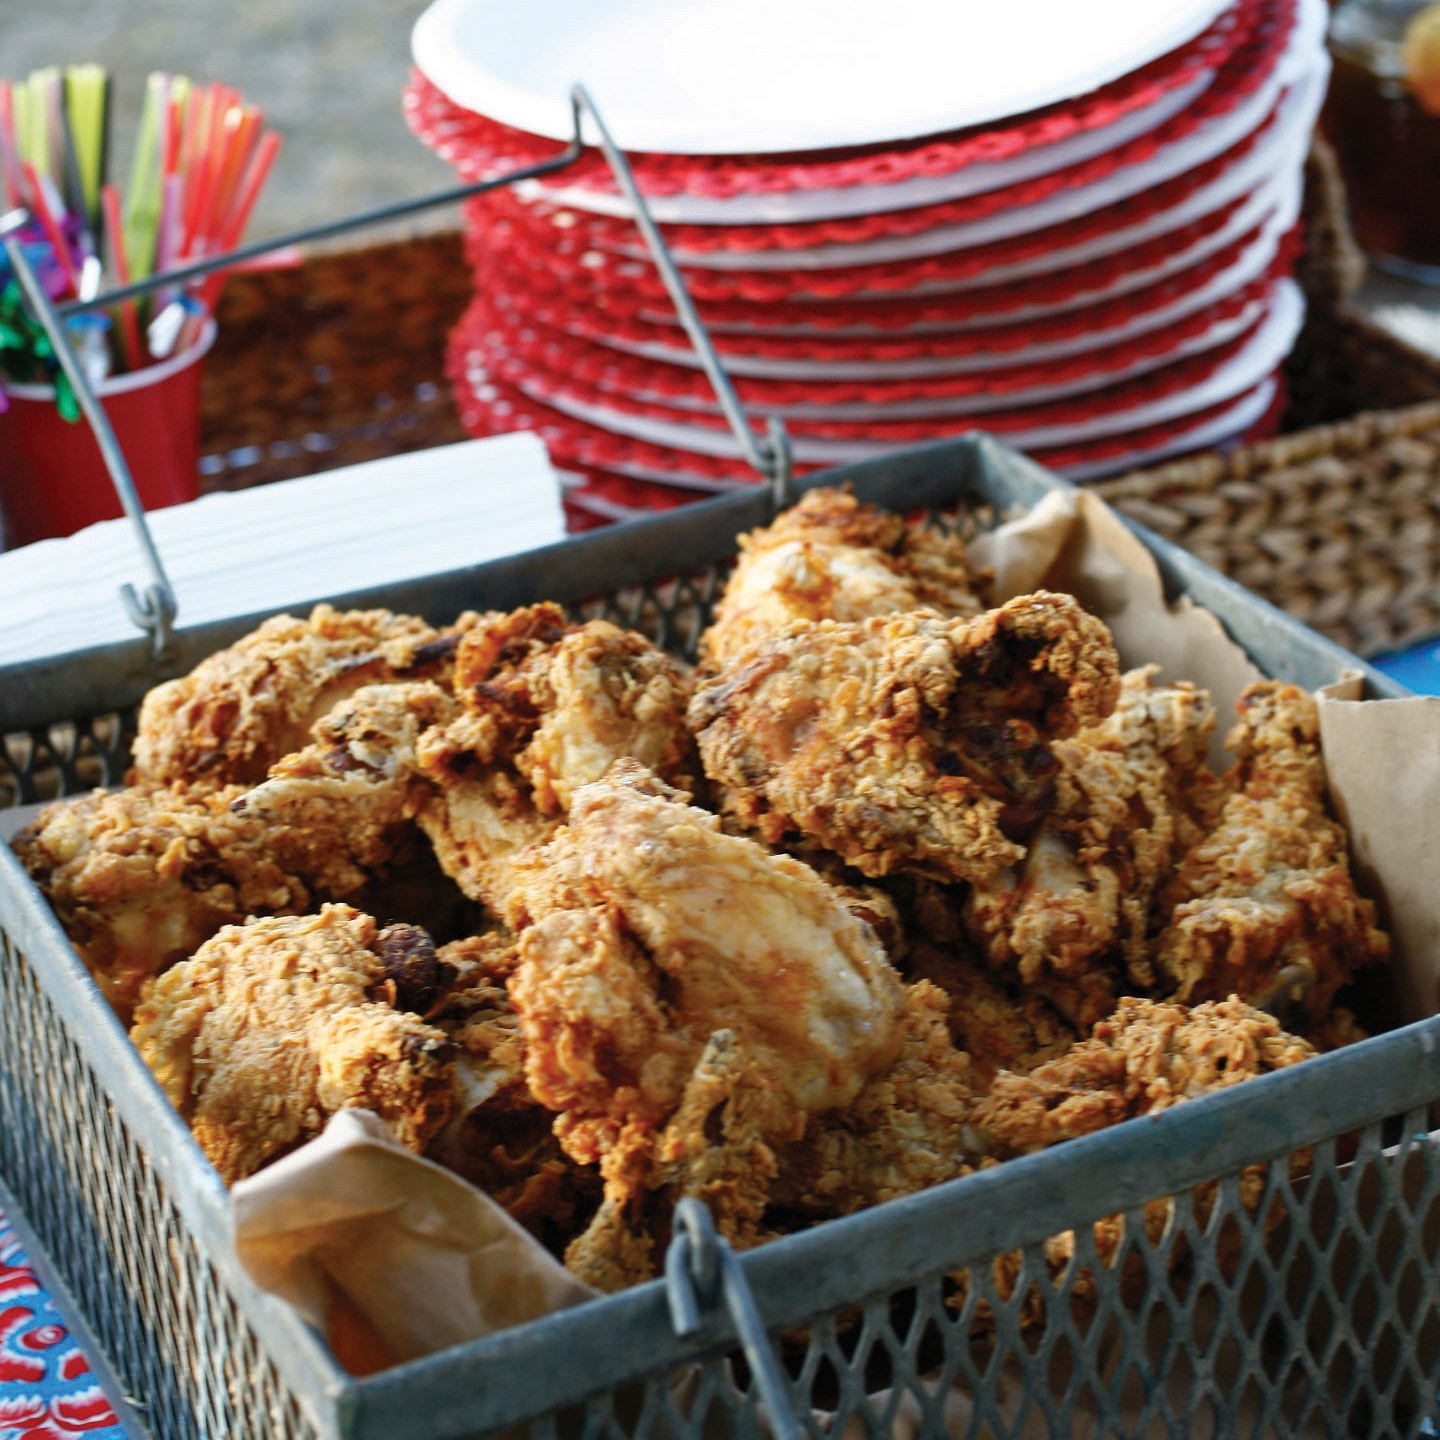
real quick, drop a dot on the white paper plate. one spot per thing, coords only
(1287, 127)
(1220, 429)
(1270, 343)
(1218, 288)
(729, 77)
(1108, 369)
(1273, 216)
(1305, 51)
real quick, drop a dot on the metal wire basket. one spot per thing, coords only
(1271, 1267)
(1297, 1288)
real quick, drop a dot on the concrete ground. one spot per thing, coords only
(328, 74)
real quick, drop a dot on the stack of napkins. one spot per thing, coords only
(286, 545)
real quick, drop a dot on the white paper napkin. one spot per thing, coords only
(280, 545)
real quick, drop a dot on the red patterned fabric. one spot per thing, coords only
(47, 1390)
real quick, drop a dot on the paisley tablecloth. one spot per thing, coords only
(47, 1389)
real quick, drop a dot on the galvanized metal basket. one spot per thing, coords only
(1314, 1309)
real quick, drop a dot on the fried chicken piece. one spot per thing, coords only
(1148, 1056)
(1130, 795)
(903, 1132)
(246, 706)
(273, 1026)
(687, 1001)
(357, 785)
(999, 1026)
(140, 878)
(831, 558)
(909, 742)
(1264, 905)
(499, 1137)
(547, 708)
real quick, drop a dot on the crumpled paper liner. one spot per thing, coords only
(412, 1256)
(412, 1259)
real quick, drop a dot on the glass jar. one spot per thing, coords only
(1382, 116)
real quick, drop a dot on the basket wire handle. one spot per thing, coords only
(154, 612)
(701, 1270)
(771, 456)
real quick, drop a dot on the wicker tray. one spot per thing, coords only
(342, 360)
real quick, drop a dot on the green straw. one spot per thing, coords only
(85, 100)
(142, 208)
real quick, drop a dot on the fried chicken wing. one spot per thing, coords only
(831, 558)
(140, 878)
(243, 708)
(1148, 1056)
(687, 1001)
(358, 783)
(273, 1026)
(1264, 905)
(1131, 794)
(910, 742)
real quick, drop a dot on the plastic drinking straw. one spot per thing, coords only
(259, 168)
(85, 101)
(131, 348)
(142, 208)
(41, 207)
(9, 147)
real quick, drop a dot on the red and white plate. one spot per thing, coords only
(1083, 248)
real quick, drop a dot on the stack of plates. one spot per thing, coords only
(1069, 225)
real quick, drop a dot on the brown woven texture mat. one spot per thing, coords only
(1338, 521)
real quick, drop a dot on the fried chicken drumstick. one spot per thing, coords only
(687, 1001)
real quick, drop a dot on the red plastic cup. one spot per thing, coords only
(53, 480)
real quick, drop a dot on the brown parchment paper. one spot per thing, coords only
(423, 1258)
(428, 1261)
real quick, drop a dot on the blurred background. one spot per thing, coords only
(328, 75)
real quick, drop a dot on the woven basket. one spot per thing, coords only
(1337, 520)
(342, 360)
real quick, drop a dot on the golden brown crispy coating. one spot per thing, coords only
(998, 1024)
(548, 707)
(274, 1026)
(1129, 793)
(139, 878)
(1264, 905)
(687, 1000)
(831, 558)
(243, 708)
(499, 1136)
(910, 742)
(1148, 1056)
(356, 786)
(903, 1132)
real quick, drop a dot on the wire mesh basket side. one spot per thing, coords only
(170, 1331)
(1296, 1297)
